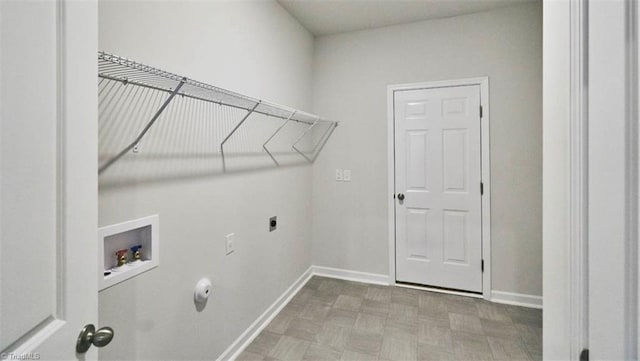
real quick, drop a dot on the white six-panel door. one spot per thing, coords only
(48, 178)
(438, 173)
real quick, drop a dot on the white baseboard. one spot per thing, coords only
(364, 277)
(236, 348)
(516, 299)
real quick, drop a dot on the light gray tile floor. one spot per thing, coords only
(340, 320)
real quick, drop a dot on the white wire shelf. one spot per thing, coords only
(129, 72)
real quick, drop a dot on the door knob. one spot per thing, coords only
(90, 336)
(401, 196)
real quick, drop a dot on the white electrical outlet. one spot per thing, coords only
(231, 237)
(346, 175)
(338, 175)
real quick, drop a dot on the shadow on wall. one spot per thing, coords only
(185, 140)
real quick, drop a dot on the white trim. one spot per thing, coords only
(391, 184)
(633, 169)
(613, 143)
(635, 79)
(578, 186)
(357, 276)
(516, 299)
(558, 36)
(486, 179)
(483, 82)
(236, 348)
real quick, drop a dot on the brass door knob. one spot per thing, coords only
(90, 336)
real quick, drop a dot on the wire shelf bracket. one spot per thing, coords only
(323, 141)
(144, 131)
(264, 146)
(224, 165)
(317, 148)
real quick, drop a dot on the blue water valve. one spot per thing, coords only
(135, 251)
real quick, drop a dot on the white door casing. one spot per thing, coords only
(48, 177)
(590, 237)
(612, 166)
(438, 172)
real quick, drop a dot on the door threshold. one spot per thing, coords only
(448, 291)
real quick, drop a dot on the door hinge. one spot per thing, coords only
(481, 188)
(584, 355)
(481, 111)
(482, 265)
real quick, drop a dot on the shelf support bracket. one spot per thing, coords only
(224, 164)
(264, 146)
(300, 138)
(145, 130)
(318, 148)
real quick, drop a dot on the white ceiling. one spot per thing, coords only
(323, 17)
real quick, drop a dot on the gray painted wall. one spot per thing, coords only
(351, 74)
(255, 48)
